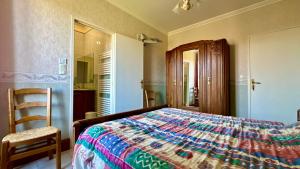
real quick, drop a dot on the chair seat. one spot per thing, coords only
(30, 134)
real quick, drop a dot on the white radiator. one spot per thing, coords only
(104, 84)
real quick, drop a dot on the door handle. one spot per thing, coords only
(254, 83)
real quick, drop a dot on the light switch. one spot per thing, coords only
(63, 61)
(62, 67)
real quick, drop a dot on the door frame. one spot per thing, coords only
(113, 69)
(71, 65)
(249, 61)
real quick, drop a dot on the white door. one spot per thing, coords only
(128, 74)
(275, 63)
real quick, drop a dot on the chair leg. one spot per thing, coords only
(50, 153)
(4, 155)
(58, 150)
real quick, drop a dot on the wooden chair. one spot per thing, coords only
(150, 97)
(18, 145)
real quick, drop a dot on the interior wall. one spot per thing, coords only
(237, 29)
(35, 34)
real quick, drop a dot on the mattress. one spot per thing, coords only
(175, 138)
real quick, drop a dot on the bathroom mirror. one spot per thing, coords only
(84, 69)
(190, 78)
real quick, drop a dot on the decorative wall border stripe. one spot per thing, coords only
(21, 77)
(224, 16)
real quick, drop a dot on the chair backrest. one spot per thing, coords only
(13, 106)
(150, 96)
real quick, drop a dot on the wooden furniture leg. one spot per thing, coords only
(50, 153)
(4, 154)
(58, 150)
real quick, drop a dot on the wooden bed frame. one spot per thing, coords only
(80, 125)
(298, 115)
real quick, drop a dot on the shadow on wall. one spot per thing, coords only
(238, 88)
(148, 63)
(59, 105)
(232, 83)
(153, 66)
(6, 59)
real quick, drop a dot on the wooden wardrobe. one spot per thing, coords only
(211, 77)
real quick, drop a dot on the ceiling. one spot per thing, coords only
(158, 13)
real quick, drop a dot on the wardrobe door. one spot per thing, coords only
(179, 78)
(218, 78)
(171, 78)
(210, 90)
(215, 80)
(202, 77)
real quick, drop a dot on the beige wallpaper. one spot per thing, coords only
(237, 29)
(36, 33)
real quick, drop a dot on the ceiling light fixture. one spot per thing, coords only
(184, 5)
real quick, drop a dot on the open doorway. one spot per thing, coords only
(91, 71)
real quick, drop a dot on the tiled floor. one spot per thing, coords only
(45, 163)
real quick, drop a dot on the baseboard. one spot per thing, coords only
(65, 145)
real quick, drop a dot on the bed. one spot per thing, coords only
(165, 137)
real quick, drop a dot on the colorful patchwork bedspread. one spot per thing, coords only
(174, 138)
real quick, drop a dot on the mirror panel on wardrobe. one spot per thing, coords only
(190, 73)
